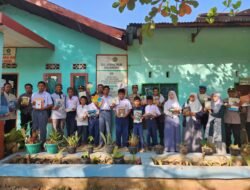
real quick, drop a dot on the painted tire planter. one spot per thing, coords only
(51, 148)
(71, 149)
(133, 149)
(33, 148)
(118, 160)
(109, 149)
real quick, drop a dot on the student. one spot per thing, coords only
(58, 114)
(137, 118)
(41, 102)
(71, 104)
(232, 118)
(151, 113)
(83, 91)
(99, 90)
(10, 119)
(105, 114)
(25, 106)
(82, 120)
(203, 97)
(192, 124)
(122, 111)
(159, 100)
(93, 115)
(214, 126)
(172, 135)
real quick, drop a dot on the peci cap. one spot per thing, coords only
(202, 87)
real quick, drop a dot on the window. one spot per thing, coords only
(52, 79)
(78, 79)
(147, 89)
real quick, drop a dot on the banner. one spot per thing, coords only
(9, 55)
(112, 70)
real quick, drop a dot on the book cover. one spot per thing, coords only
(208, 105)
(25, 100)
(92, 113)
(121, 112)
(137, 116)
(39, 103)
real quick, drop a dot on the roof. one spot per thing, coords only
(16, 35)
(241, 19)
(60, 15)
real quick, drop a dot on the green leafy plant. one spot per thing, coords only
(14, 140)
(117, 153)
(34, 138)
(133, 140)
(54, 137)
(107, 140)
(90, 141)
(73, 140)
(85, 154)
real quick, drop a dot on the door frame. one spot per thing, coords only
(85, 75)
(17, 85)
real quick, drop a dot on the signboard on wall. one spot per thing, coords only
(245, 81)
(112, 70)
(9, 55)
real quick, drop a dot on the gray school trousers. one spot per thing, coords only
(40, 120)
(104, 123)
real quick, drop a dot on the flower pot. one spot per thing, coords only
(133, 149)
(33, 148)
(118, 160)
(159, 149)
(71, 149)
(234, 152)
(207, 151)
(51, 148)
(109, 149)
(90, 149)
(86, 160)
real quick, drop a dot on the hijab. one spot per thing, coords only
(171, 103)
(195, 106)
(217, 105)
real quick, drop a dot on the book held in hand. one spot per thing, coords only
(25, 100)
(39, 103)
(137, 116)
(208, 105)
(92, 113)
(121, 112)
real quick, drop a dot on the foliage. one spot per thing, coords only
(117, 153)
(173, 9)
(54, 137)
(14, 140)
(90, 141)
(73, 140)
(34, 138)
(133, 140)
(85, 154)
(107, 140)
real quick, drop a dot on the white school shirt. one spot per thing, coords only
(60, 113)
(43, 95)
(106, 102)
(92, 107)
(81, 111)
(160, 98)
(125, 103)
(71, 103)
(152, 109)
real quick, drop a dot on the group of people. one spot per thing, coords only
(203, 116)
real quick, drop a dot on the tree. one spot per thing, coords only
(174, 9)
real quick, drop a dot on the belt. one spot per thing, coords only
(106, 110)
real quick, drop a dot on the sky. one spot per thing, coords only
(102, 11)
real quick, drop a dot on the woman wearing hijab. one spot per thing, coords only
(172, 123)
(192, 123)
(214, 126)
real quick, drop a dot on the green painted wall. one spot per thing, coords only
(70, 47)
(1, 51)
(212, 60)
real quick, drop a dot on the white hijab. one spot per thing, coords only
(196, 105)
(172, 103)
(217, 105)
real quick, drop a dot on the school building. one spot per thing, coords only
(42, 41)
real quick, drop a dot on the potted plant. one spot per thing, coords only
(118, 157)
(109, 145)
(245, 150)
(234, 150)
(90, 146)
(14, 140)
(133, 142)
(51, 144)
(86, 158)
(32, 143)
(183, 149)
(159, 149)
(72, 142)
